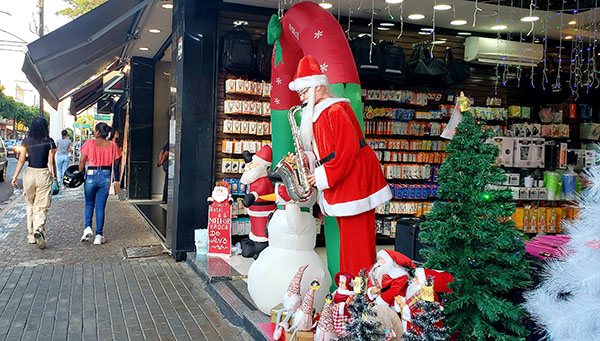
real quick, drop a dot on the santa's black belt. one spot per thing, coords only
(263, 203)
(319, 163)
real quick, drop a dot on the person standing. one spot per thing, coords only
(37, 179)
(64, 146)
(163, 160)
(100, 154)
(347, 174)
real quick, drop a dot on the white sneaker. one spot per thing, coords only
(87, 234)
(99, 240)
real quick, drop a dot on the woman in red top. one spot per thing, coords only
(100, 154)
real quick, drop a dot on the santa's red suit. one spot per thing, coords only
(351, 183)
(394, 279)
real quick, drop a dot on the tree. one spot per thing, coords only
(13, 110)
(567, 302)
(474, 239)
(426, 321)
(79, 7)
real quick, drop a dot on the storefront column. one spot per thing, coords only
(195, 71)
(141, 118)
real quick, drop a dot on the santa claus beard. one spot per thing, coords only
(306, 124)
(393, 270)
(251, 175)
(291, 302)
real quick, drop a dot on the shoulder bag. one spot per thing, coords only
(115, 186)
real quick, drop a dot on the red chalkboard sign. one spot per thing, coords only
(219, 228)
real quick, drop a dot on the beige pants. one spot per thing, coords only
(37, 183)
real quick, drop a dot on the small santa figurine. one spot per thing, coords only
(419, 290)
(325, 327)
(342, 296)
(255, 176)
(388, 278)
(220, 193)
(291, 302)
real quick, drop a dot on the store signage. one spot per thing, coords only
(81, 125)
(219, 228)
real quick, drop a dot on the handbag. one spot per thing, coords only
(115, 186)
(55, 189)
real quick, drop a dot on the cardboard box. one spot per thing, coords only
(300, 336)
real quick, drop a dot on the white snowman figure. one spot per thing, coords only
(292, 239)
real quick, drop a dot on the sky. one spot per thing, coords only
(20, 22)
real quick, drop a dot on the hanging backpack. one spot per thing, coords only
(393, 63)
(458, 70)
(238, 53)
(424, 70)
(367, 60)
(264, 53)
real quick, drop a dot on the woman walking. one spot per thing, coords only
(37, 179)
(100, 154)
(62, 154)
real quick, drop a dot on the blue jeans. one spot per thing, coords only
(62, 163)
(96, 193)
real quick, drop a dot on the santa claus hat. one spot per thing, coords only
(349, 279)
(395, 257)
(294, 287)
(308, 75)
(224, 184)
(326, 319)
(441, 279)
(307, 302)
(264, 155)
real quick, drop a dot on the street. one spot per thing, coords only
(6, 189)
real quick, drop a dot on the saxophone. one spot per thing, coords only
(294, 176)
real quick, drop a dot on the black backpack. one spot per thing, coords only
(393, 63)
(368, 68)
(458, 70)
(238, 53)
(264, 53)
(424, 70)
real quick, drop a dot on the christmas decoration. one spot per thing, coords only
(474, 240)
(567, 302)
(291, 302)
(292, 239)
(342, 296)
(303, 317)
(361, 328)
(426, 320)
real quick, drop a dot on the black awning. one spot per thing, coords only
(63, 59)
(86, 96)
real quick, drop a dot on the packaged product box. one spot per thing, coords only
(525, 222)
(246, 144)
(542, 193)
(259, 88)
(237, 107)
(553, 220)
(253, 147)
(237, 147)
(533, 221)
(266, 89)
(252, 127)
(226, 165)
(246, 107)
(266, 109)
(260, 129)
(253, 88)
(227, 146)
(234, 166)
(514, 111)
(267, 128)
(252, 107)
(517, 217)
(227, 126)
(236, 126)
(534, 193)
(244, 127)
(247, 87)
(542, 220)
(230, 86)
(523, 193)
(525, 112)
(239, 85)
(228, 106)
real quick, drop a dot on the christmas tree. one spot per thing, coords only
(474, 240)
(567, 302)
(426, 321)
(364, 325)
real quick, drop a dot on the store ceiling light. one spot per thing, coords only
(427, 29)
(326, 5)
(154, 30)
(416, 16)
(143, 48)
(394, 1)
(572, 22)
(425, 33)
(464, 33)
(383, 28)
(438, 42)
(442, 7)
(499, 27)
(240, 22)
(167, 5)
(569, 37)
(388, 24)
(458, 22)
(530, 19)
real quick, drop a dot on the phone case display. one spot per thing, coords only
(258, 128)
(234, 106)
(244, 86)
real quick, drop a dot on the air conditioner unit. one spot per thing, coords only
(497, 51)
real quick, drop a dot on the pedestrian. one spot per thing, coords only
(163, 160)
(37, 179)
(100, 154)
(62, 154)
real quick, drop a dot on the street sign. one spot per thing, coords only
(81, 125)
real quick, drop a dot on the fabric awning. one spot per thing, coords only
(63, 59)
(94, 91)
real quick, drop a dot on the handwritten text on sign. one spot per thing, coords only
(219, 228)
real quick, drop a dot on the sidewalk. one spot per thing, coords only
(74, 290)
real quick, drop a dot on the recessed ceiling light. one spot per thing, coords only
(383, 28)
(154, 30)
(416, 16)
(499, 27)
(326, 5)
(458, 22)
(425, 33)
(569, 37)
(572, 22)
(530, 19)
(389, 24)
(394, 1)
(464, 33)
(427, 29)
(442, 7)
(143, 48)
(438, 42)
(167, 5)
